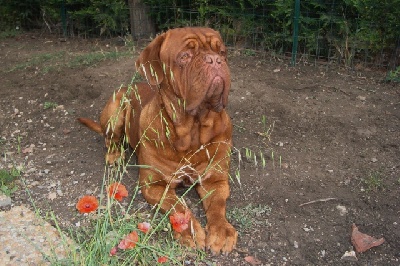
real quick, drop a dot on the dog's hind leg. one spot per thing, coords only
(113, 116)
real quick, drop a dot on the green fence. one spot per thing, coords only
(352, 33)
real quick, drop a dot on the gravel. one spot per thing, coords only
(26, 239)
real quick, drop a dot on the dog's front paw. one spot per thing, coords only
(115, 157)
(194, 236)
(221, 236)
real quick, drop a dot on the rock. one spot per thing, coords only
(350, 256)
(363, 242)
(5, 200)
(279, 143)
(342, 210)
(361, 98)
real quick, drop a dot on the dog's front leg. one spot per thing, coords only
(165, 196)
(221, 235)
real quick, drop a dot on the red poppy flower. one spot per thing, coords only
(87, 204)
(180, 221)
(113, 251)
(144, 227)
(118, 191)
(129, 241)
(162, 259)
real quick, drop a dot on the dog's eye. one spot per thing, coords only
(184, 57)
(222, 53)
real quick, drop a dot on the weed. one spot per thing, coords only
(267, 129)
(393, 75)
(9, 33)
(7, 179)
(38, 60)
(52, 61)
(48, 105)
(374, 181)
(93, 58)
(249, 52)
(247, 217)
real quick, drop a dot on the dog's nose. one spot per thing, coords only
(213, 60)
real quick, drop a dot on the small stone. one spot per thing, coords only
(295, 244)
(46, 171)
(330, 171)
(60, 107)
(374, 160)
(30, 170)
(349, 256)
(342, 210)
(361, 98)
(4, 200)
(308, 229)
(35, 183)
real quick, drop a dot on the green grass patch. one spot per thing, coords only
(7, 180)
(39, 60)
(48, 62)
(9, 33)
(112, 222)
(245, 218)
(374, 181)
(93, 58)
(393, 75)
(48, 105)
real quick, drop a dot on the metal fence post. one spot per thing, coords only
(295, 31)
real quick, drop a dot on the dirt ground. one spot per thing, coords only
(330, 138)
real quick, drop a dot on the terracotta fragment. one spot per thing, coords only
(363, 242)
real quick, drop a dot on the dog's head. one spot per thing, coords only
(192, 62)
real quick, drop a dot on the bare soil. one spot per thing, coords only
(333, 141)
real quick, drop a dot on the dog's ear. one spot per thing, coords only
(149, 63)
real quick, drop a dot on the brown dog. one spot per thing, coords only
(179, 129)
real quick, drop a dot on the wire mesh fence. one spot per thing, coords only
(328, 32)
(351, 33)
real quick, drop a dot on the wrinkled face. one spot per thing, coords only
(200, 74)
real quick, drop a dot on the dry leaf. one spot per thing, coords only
(252, 260)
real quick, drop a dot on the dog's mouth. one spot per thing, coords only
(215, 95)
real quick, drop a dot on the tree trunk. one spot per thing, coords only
(142, 26)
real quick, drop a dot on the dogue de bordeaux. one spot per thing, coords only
(178, 127)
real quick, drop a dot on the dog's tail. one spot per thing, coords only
(93, 125)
